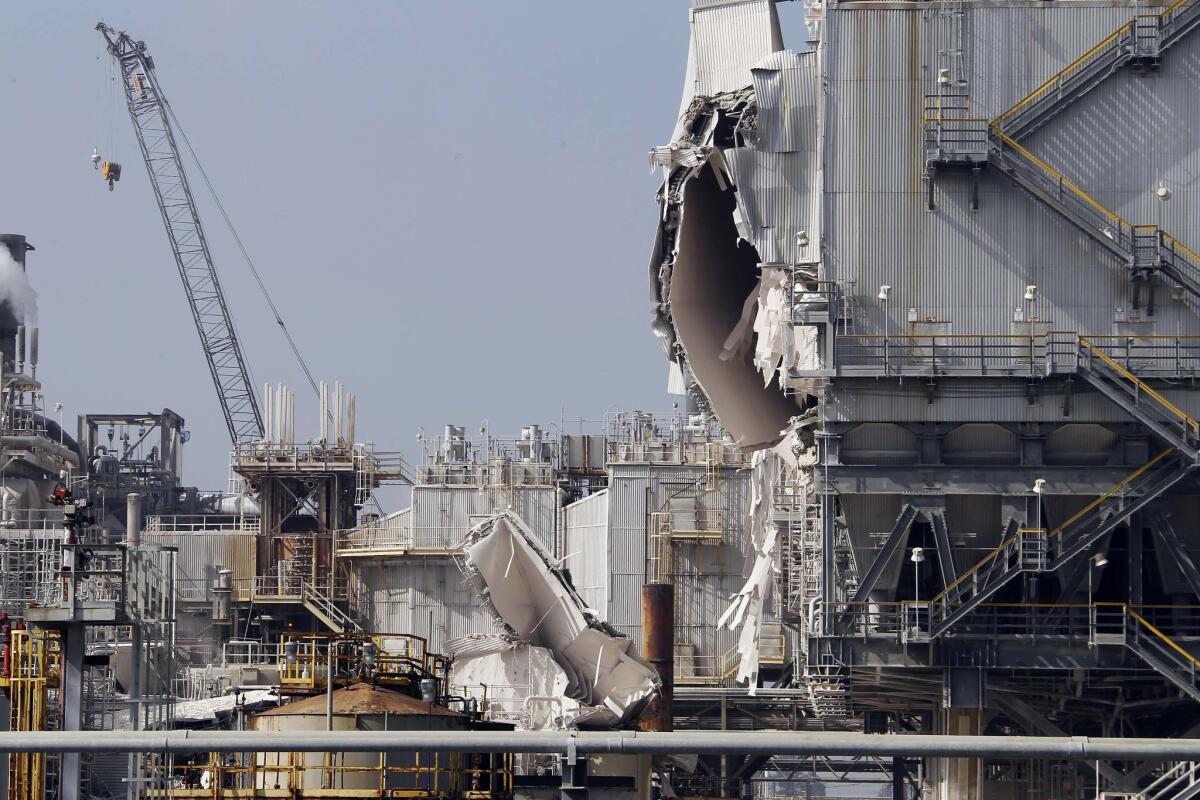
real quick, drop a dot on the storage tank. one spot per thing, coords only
(361, 706)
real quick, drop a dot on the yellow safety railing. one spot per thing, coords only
(1057, 78)
(1141, 385)
(985, 560)
(1167, 640)
(1123, 225)
(33, 669)
(1128, 479)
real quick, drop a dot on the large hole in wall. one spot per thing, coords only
(714, 273)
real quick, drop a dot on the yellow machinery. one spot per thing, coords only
(392, 660)
(31, 680)
(111, 172)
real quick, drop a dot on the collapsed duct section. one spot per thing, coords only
(736, 262)
(533, 603)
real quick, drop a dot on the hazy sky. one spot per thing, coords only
(450, 203)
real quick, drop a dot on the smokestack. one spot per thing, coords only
(20, 347)
(17, 246)
(33, 351)
(11, 315)
(658, 647)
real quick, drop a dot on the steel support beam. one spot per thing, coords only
(1161, 522)
(890, 545)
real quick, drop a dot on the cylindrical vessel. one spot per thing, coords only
(133, 519)
(658, 647)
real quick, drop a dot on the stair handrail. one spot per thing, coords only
(1142, 386)
(1112, 492)
(1057, 78)
(1124, 228)
(1166, 640)
(939, 599)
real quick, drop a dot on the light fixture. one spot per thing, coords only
(1107, 231)
(918, 555)
(885, 292)
(943, 77)
(1039, 486)
(802, 239)
(1099, 559)
(1031, 292)
(1178, 292)
(1162, 192)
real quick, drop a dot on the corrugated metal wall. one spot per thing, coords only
(587, 548)
(202, 554)
(705, 576)
(442, 515)
(969, 268)
(423, 597)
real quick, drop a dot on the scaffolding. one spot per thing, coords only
(32, 685)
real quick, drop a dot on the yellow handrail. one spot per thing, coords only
(1166, 639)
(1058, 76)
(1142, 386)
(983, 561)
(1128, 479)
(1112, 216)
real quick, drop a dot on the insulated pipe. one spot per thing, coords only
(1057, 748)
(41, 443)
(658, 647)
(133, 519)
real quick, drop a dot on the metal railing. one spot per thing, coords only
(1159, 413)
(1032, 355)
(480, 776)
(202, 523)
(887, 620)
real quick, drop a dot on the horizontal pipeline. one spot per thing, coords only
(681, 742)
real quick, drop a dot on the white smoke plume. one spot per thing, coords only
(15, 288)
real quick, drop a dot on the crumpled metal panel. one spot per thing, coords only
(787, 86)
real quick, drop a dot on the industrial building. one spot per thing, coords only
(920, 523)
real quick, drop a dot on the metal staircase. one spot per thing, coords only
(323, 608)
(1024, 551)
(1142, 40)
(1146, 249)
(828, 685)
(1162, 653)
(1131, 393)
(1180, 782)
(1035, 550)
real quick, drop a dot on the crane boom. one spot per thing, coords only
(148, 110)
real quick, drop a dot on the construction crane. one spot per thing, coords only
(150, 113)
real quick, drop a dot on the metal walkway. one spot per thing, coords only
(1145, 248)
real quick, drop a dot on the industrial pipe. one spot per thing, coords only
(658, 647)
(133, 519)
(707, 742)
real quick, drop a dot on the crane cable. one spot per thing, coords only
(246, 255)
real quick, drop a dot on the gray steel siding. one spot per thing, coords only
(201, 555)
(442, 515)
(587, 549)
(425, 597)
(969, 268)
